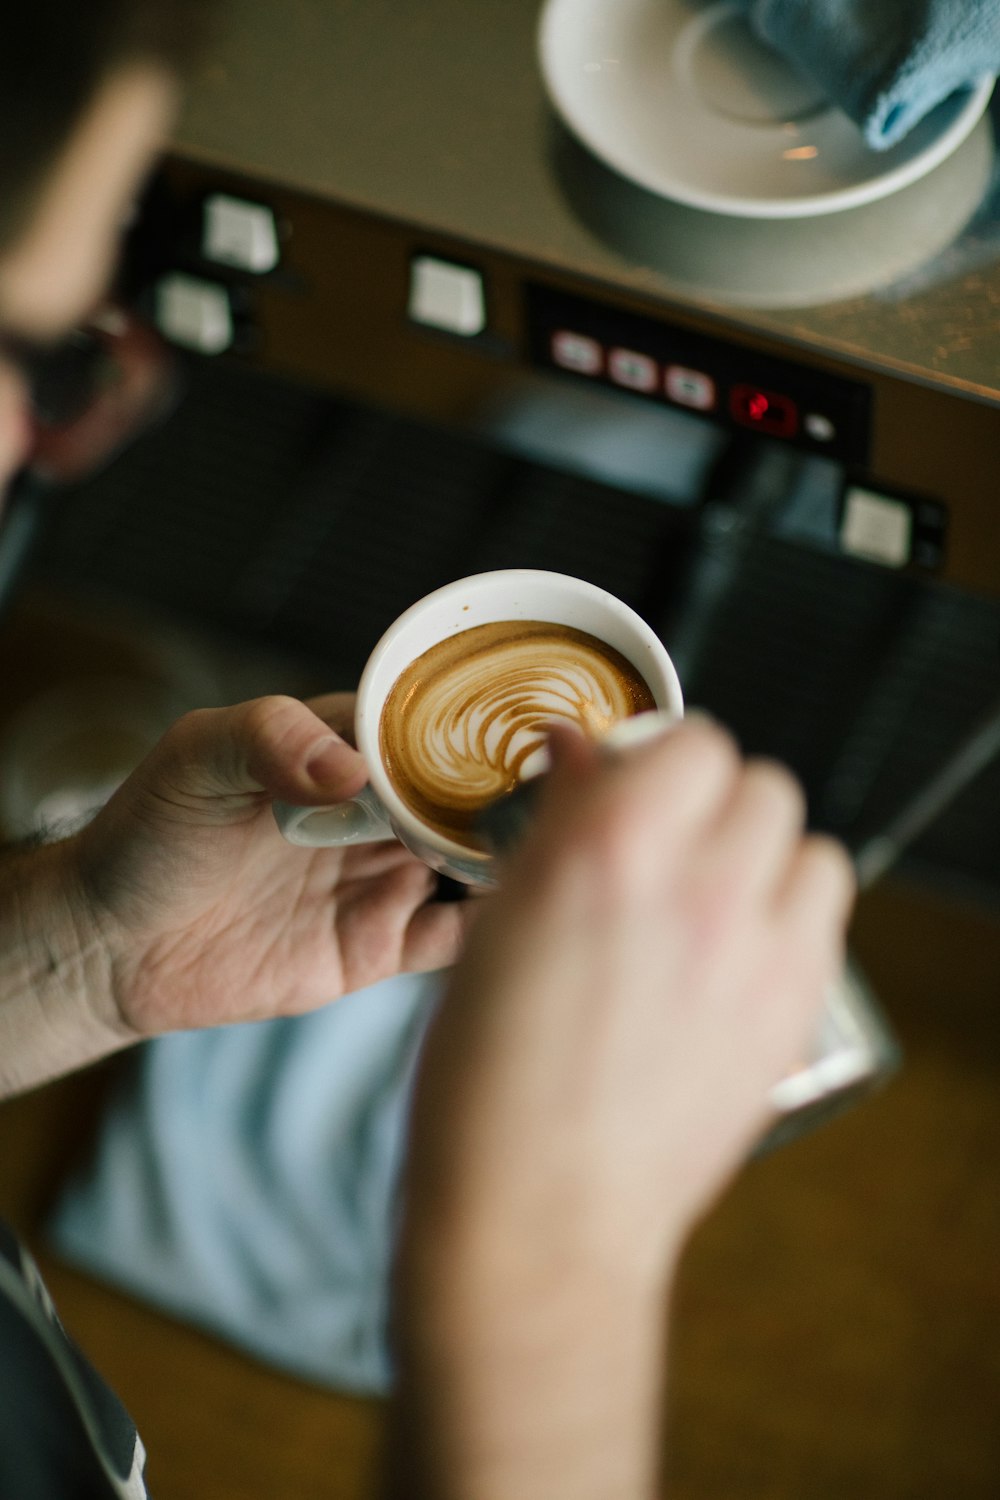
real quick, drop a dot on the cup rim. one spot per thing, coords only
(367, 721)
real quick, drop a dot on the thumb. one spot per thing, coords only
(275, 745)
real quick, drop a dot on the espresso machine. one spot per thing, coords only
(428, 330)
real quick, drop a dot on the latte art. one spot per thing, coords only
(462, 719)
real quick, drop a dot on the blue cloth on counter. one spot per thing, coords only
(246, 1178)
(886, 63)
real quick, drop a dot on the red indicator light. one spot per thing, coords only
(758, 406)
(767, 411)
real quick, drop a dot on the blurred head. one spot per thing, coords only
(88, 92)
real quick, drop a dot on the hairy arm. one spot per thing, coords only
(56, 1010)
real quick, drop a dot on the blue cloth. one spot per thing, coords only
(886, 63)
(246, 1179)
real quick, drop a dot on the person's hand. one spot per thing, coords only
(654, 962)
(209, 915)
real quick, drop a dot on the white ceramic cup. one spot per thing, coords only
(378, 811)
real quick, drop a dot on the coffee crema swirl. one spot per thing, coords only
(462, 719)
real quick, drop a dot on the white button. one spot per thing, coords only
(877, 527)
(237, 233)
(575, 351)
(635, 371)
(819, 427)
(193, 313)
(690, 387)
(443, 295)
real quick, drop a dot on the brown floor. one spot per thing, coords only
(838, 1322)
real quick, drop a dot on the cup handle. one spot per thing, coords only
(360, 820)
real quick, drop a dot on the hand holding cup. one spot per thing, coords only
(462, 690)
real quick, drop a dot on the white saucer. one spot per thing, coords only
(681, 98)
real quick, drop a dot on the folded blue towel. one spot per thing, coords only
(246, 1179)
(886, 63)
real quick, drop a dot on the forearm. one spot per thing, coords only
(57, 1010)
(511, 1386)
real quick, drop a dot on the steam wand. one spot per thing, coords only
(881, 851)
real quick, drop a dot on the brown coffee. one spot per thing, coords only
(461, 720)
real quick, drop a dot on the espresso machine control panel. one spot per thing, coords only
(710, 377)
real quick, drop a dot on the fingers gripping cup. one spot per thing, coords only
(459, 694)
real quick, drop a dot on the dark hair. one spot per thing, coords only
(54, 55)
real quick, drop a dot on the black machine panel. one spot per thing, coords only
(713, 378)
(280, 517)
